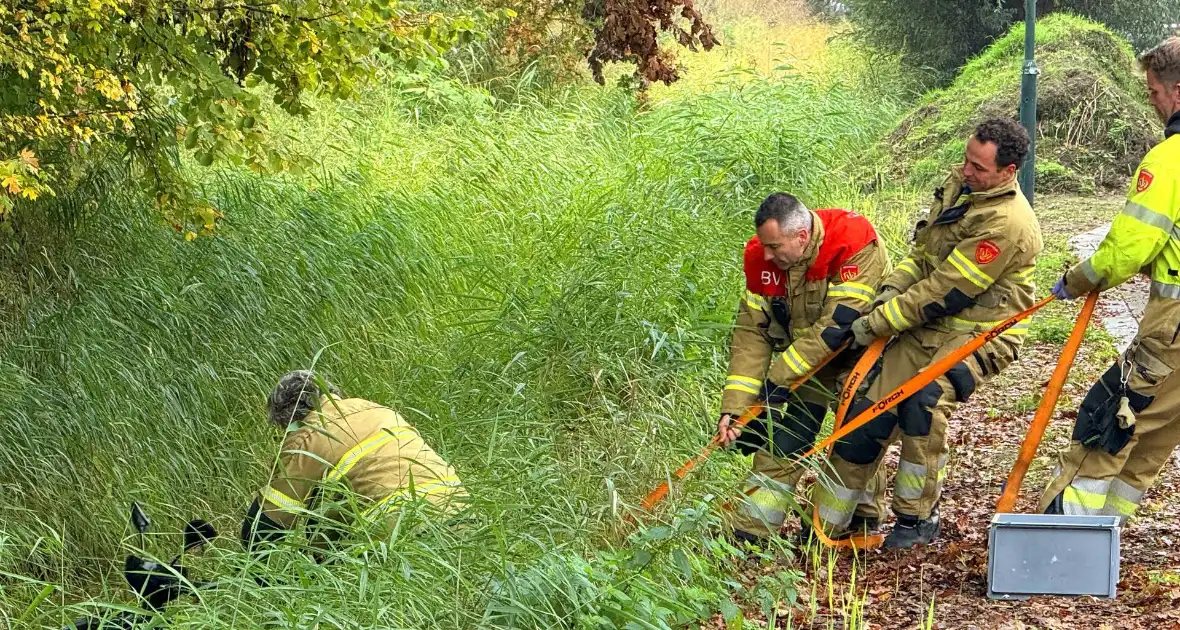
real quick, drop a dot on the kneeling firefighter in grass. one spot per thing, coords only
(808, 276)
(344, 447)
(970, 267)
(1129, 422)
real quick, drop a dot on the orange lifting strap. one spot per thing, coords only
(1036, 430)
(661, 491)
(892, 399)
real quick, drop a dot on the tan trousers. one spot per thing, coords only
(920, 422)
(1089, 480)
(770, 488)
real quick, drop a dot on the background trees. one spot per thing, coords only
(116, 91)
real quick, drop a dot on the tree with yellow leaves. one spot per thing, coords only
(144, 80)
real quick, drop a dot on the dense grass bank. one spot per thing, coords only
(545, 290)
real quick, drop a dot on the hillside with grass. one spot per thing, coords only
(1093, 121)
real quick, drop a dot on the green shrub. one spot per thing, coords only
(939, 36)
(1092, 117)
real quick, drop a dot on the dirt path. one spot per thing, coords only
(897, 587)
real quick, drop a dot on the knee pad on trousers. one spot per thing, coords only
(863, 446)
(1057, 505)
(916, 413)
(1099, 403)
(961, 379)
(793, 430)
(784, 433)
(752, 438)
(990, 364)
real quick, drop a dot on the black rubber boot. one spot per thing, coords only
(739, 536)
(864, 524)
(911, 530)
(1057, 506)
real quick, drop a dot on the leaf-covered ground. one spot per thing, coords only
(895, 589)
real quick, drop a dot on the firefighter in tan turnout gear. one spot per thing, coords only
(808, 276)
(970, 267)
(345, 449)
(1129, 422)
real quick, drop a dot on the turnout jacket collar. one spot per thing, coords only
(1173, 125)
(987, 197)
(811, 252)
(968, 199)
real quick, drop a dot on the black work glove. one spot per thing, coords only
(774, 395)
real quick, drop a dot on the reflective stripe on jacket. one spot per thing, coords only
(971, 264)
(369, 449)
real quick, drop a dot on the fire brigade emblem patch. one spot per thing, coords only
(1144, 181)
(848, 272)
(986, 252)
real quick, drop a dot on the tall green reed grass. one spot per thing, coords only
(544, 290)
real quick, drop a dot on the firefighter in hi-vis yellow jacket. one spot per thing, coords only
(970, 267)
(808, 277)
(1129, 422)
